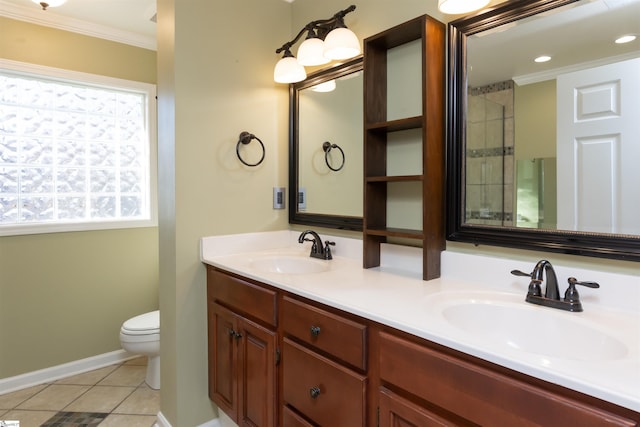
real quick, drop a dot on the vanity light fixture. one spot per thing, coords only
(327, 39)
(543, 58)
(457, 7)
(49, 3)
(625, 39)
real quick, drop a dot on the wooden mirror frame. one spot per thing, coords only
(315, 219)
(623, 247)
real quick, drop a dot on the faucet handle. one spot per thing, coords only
(521, 273)
(534, 286)
(573, 281)
(571, 295)
(327, 249)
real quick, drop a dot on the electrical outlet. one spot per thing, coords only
(278, 197)
(302, 199)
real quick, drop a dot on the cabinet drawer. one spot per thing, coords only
(291, 419)
(396, 411)
(245, 297)
(478, 394)
(326, 331)
(324, 391)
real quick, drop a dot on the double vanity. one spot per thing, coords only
(299, 341)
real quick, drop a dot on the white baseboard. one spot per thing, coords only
(162, 422)
(54, 373)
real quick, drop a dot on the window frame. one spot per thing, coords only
(99, 81)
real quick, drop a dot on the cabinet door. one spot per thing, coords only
(258, 375)
(398, 412)
(223, 371)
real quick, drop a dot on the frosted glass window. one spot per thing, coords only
(73, 152)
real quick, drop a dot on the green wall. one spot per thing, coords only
(535, 117)
(63, 296)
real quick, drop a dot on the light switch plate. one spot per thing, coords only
(302, 198)
(278, 197)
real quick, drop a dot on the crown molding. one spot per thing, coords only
(60, 22)
(553, 73)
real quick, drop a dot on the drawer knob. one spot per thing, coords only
(315, 331)
(314, 392)
(235, 334)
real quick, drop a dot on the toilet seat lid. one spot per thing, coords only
(146, 322)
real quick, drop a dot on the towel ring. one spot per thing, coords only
(245, 138)
(327, 146)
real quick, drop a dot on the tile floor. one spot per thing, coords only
(113, 396)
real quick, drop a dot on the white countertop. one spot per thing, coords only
(395, 295)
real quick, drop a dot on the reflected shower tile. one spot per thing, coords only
(495, 133)
(509, 171)
(475, 136)
(475, 108)
(509, 132)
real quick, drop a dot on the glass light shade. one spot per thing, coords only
(50, 3)
(311, 52)
(456, 7)
(289, 70)
(625, 39)
(341, 43)
(324, 87)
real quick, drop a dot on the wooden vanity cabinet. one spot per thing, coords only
(277, 359)
(243, 352)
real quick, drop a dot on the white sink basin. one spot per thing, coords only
(289, 264)
(503, 320)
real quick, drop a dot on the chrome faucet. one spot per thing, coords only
(551, 298)
(317, 249)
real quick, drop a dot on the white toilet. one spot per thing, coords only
(141, 335)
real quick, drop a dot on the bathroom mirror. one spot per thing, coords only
(326, 186)
(544, 155)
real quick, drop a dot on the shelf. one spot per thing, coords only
(384, 149)
(398, 178)
(397, 125)
(396, 232)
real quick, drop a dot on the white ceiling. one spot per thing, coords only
(578, 36)
(125, 21)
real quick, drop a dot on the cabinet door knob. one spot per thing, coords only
(315, 331)
(314, 392)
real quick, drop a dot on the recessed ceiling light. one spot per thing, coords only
(543, 58)
(625, 39)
